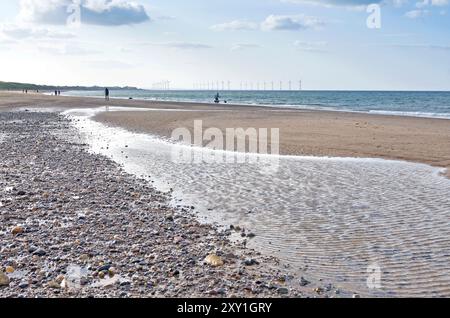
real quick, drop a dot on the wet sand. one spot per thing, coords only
(302, 132)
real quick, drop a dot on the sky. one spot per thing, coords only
(328, 44)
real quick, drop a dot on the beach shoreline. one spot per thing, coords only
(302, 132)
(80, 211)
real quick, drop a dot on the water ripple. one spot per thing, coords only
(329, 217)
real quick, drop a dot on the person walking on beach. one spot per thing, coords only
(106, 94)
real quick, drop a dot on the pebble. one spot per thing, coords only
(54, 285)
(214, 260)
(40, 252)
(283, 291)
(17, 230)
(304, 282)
(112, 271)
(4, 280)
(9, 269)
(23, 285)
(250, 262)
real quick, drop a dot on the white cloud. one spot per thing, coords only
(110, 64)
(235, 25)
(439, 3)
(95, 12)
(20, 32)
(436, 3)
(399, 3)
(243, 46)
(293, 23)
(422, 46)
(65, 50)
(181, 45)
(335, 3)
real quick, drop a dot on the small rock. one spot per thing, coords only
(214, 260)
(177, 239)
(10, 269)
(283, 291)
(101, 275)
(356, 296)
(304, 282)
(54, 285)
(318, 290)
(4, 280)
(250, 262)
(23, 285)
(59, 279)
(64, 284)
(17, 230)
(112, 271)
(104, 268)
(40, 252)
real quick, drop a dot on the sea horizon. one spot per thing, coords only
(426, 104)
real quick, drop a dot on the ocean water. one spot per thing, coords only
(418, 104)
(336, 219)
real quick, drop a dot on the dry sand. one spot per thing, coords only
(319, 133)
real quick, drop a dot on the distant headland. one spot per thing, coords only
(12, 86)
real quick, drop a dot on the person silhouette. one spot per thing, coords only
(106, 94)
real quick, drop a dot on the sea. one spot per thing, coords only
(403, 103)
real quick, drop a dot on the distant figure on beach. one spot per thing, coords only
(56, 93)
(217, 99)
(106, 94)
(59, 93)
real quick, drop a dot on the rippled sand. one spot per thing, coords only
(330, 217)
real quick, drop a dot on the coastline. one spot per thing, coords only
(302, 132)
(65, 156)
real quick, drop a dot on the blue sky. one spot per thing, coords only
(326, 43)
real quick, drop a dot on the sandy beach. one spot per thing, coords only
(302, 132)
(186, 258)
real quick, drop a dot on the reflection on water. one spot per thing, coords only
(329, 217)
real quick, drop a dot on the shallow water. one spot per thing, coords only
(404, 103)
(329, 218)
